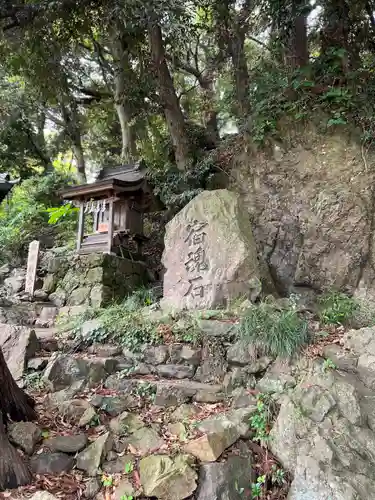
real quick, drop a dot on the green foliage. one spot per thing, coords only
(328, 365)
(277, 475)
(258, 487)
(336, 308)
(121, 323)
(273, 330)
(25, 218)
(260, 421)
(56, 214)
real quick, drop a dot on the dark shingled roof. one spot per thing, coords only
(127, 173)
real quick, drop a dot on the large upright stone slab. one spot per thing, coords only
(32, 264)
(210, 255)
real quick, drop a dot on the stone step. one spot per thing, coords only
(168, 392)
(47, 338)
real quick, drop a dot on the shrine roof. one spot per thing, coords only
(123, 178)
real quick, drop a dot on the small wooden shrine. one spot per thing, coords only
(6, 185)
(117, 201)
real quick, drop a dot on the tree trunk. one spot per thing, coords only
(172, 110)
(122, 76)
(206, 83)
(70, 116)
(240, 73)
(16, 405)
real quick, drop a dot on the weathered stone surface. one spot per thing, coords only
(197, 275)
(213, 366)
(63, 370)
(124, 489)
(74, 409)
(126, 423)
(322, 434)
(79, 296)
(156, 355)
(58, 297)
(113, 405)
(67, 444)
(176, 371)
(145, 440)
(57, 399)
(43, 495)
(104, 350)
(51, 463)
(90, 459)
(210, 446)
(92, 487)
(167, 478)
(225, 481)
(18, 344)
(183, 412)
(275, 382)
(37, 364)
(25, 435)
(190, 355)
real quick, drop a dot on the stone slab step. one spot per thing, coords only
(47, 338)
(168, 392)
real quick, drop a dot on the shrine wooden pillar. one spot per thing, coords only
(110, 225)
(81, 221)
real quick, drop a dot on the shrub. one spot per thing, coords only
(121, 323)
(26, 218)
(274, 331)
(336, 308)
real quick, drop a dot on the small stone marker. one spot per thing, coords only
(210, 254)
(32, 264)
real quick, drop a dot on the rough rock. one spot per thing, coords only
(37, 364)
(175, 371)
(145, 440)
(183, 412)
(126, 423)
(15, 284)
(18, 344)
(210, 446)
(90, 459)
(67, 444)
(242, 354)
(113, 405)
(124, 489)
(25, 435)
(167, 478)
(156, 355)
(74, 409)
(213, 366)
(226, 480)
(58, 398)
(197, 275)
(92, 487)
(43, 495)
(322, 434)
(51, 463)
(63, 370)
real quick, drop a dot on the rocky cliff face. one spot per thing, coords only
(311, 202)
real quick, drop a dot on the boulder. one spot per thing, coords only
(145, 440)
(197, 275)
(126, 423)
(19, 344)
(63, 370)
(167, 478)
(51, 463)
(175, 371)
(183, 412)
(156, 355)
(67, 444)
(92, 487)
(229, 480)
(322, 435)
(210, 446)
(90, 459)
(25, 435)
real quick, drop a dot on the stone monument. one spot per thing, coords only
(32, 265)
(210, 255)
